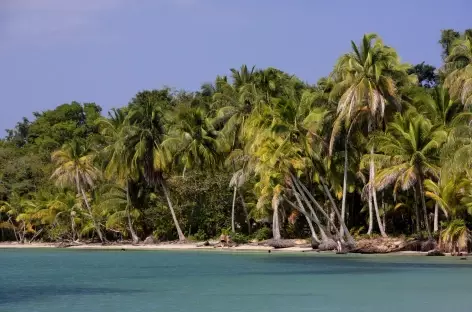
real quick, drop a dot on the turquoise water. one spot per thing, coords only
(89, 281)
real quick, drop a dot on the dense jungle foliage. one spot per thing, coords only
(377, 147)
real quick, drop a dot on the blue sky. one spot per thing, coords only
(104, 51)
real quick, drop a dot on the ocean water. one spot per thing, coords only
(53, 280)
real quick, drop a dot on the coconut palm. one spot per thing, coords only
(119, 160)
(75, 168)
(458, 70)
(367, 79)
(456, 237)
(145, 133)
(192, 140)
(407, 153)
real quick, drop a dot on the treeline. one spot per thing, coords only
(377, 147)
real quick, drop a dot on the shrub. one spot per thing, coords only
(239, 238)
(263, 234)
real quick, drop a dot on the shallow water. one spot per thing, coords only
(76, 280)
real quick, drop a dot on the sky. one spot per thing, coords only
(105, 51)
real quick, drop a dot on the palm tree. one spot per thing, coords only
(458, 70)
(242, 77)
(192, 140)
(367, 79)
(407, 153)
(75, 168)
(119, 159)
(145, 133)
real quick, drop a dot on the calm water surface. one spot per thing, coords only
(91, 281)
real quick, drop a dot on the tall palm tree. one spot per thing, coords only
(367, 79)
(145, 133)
(407, 154)
(75, 168)
(119, 162)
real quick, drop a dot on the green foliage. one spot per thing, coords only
(263, 234)
(258, 149)
(240, 238)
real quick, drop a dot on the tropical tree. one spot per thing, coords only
(407, 154)
(119, 165)
(145, 134)
(367, 79)
(75, 168)
(458, 70)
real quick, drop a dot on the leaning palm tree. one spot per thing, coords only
(145, 133)
(407, 154)
(456, 237)
(366, 81)
(75, 168)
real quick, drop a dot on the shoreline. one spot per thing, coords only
(191, 247)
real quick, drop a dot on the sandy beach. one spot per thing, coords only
(162, 246)
(183, 247)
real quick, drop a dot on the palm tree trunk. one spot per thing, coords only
(304, 190)
(72, 225)
(172, 212)
(80, 190)
(384, 212)
(232, 209)
(95, 224)
(303, 211)
(248, 221)
(371, 213)
(349, 237)
(311, 218)
(312, 230)
(373, 192)
(311, 215)
(417, 211)
(436, 218)
(275, 218)
(134, 237)
(425, 212)
(343, 202)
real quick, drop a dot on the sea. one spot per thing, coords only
(56, 280)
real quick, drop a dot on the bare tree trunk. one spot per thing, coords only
(233, 229)
(423, 203)
(436, 218)
(172, 212)
(134, 237)
(36, 235)
(374, 193)
(248, 221)
(275, 218)
(349, 237)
